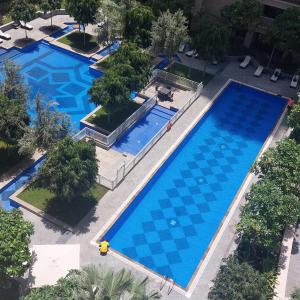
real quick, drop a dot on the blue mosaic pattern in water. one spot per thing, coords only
(170, 224)
(58, 76)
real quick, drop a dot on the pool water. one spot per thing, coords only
(59, 76)
(141, 132)
(170, 224)
(112, 48)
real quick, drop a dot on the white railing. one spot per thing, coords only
(108, 140)
(126, 168)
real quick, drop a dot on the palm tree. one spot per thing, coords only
(95, 283)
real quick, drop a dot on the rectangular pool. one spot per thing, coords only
(170, 224)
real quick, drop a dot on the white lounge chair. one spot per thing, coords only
(258, 71)
(1, 41)
(275, 75)
(190, 53)
(244, 64)
(181, 48)
(27, 26)
(5, 36)
(294, 81)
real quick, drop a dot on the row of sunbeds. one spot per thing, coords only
(275, 76)
(22, 24)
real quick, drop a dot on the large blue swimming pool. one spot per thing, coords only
(57, 75)
(170, 224)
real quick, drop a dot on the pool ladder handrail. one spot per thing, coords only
(163, 283)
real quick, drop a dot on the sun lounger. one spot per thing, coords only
(258, 71)
(27, 26)
(244, 64)
(190, 53)
(5, 36)
(181, 48)
(275, 75)
(294, 81)
(1, 41)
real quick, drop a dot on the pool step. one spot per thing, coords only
(8, 54)
(162, 112)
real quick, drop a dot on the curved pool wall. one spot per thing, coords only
(58, 75)
(170, 224)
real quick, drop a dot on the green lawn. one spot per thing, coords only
(110, 124)
(75, 40)
(8, 156)
(190, 73)
(70, 213)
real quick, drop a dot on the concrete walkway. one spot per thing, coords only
(46, 233)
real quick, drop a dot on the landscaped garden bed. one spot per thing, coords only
(102, 119)
(76, 40)
(8, 156)
(69, 212)
(190, 73)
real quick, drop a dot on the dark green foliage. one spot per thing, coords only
(281, 165)
(13, 120)
(138, 22)
(294, 122)
(296, 294)
(266, 214)
(242, 15)
(70, 169)
(15, 235)
(239, 281)
(22, 10)
(110, 91)
(285, 32)
(212, 41)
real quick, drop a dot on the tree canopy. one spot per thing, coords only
(47, 128)
(83, 11)
(138, 23)
(168, 32)
(50, 5)
(22, 10)
(294, 121)
(70, 169)
(285, 31)
(111, 18)
(281, 165)
(15, 235)
(265, 215)
(240, 281)
(243, 14)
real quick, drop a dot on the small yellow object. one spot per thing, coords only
(103, 247)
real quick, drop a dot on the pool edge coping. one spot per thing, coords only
(194, 280)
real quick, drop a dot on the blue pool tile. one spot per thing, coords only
(196, 219)
(156, 248)
(131, 252)
(60, 77)
(139, 239)
(164, 235)
(165, 203)
(189, 231)
(181, 244)
(147, 261)
(210, 197)
(165, 271)
(157, 214)
(173, 257)
(148, 226)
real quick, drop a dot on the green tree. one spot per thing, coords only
(70, 169)
(15, 235)
(281, 165)
(22, 10)
(266, 214)
(13, 120)
(110, 91)
(243, 16)
(294, 121)
(47, 128)
(110, 16)
(51, 5)
(240, 281)
(13, 86)
(168, 32)
(83, 11)
(138, 23)
(284, 33)
(212, 41)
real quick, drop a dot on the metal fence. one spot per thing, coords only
(126, 168)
